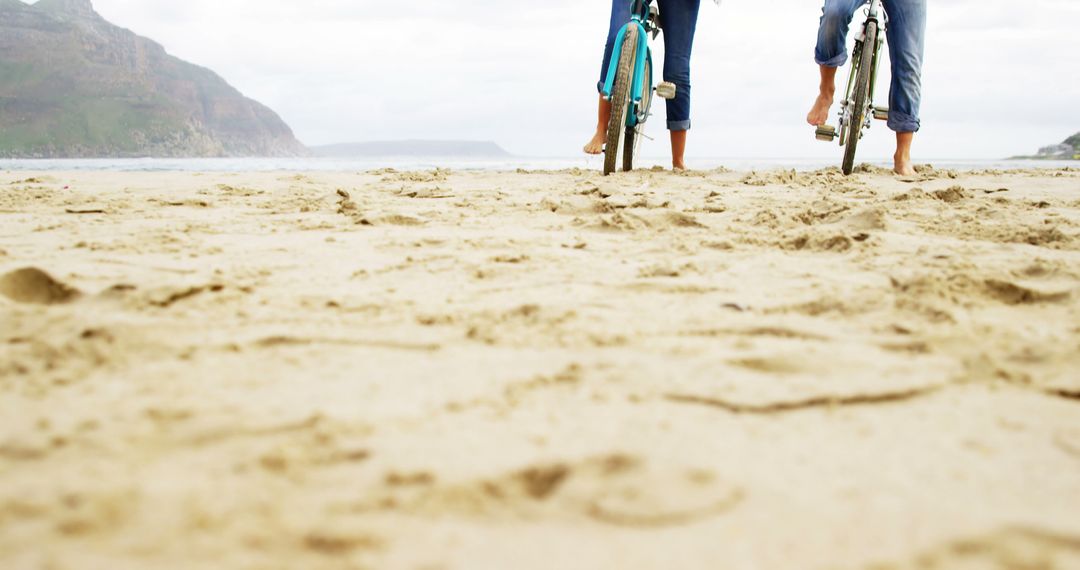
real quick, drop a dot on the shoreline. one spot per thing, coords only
(317, 165)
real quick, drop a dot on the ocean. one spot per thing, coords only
(493, 165)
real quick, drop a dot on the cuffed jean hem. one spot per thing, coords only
(903, 124)
(600, 87)
(678, 125)
(837, 61)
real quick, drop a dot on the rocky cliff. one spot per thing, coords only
(1069, 149)
(74, 85)
(1074, 141)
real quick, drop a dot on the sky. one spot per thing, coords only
(1001, 77)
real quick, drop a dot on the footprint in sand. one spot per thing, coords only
(615, 489)
(34, 286)
(952, 195)
(1008, 548)
(873, 218)
(1021, 293)
(654, 497)
(1068, 441)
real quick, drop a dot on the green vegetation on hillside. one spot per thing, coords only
(113, 125)
(20, 73)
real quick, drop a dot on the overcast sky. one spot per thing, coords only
(1002, 77)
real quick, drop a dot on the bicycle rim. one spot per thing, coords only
(860, 97)
(634, 134)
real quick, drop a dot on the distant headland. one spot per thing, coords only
(1069, 149)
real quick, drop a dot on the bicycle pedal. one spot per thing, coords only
(826, 133)
(666, 90)
(881, 113)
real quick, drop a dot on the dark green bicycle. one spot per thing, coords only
(858, 108)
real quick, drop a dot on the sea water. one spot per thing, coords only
(492, 165)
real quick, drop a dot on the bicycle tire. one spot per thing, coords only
(628, 149)
(631, 140)
(620, 100)
(860, 97)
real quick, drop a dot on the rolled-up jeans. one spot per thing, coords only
(678, 18)
(907, 44)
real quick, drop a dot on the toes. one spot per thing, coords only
(595, 146)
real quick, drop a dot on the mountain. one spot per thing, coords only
(1069, 149)
(412, 148)
(1073, 141)
(74, 85)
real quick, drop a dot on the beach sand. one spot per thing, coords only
(540, 370)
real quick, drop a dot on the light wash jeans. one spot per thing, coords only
(678, 18)
(907, 44)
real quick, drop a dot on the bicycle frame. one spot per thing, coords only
(874, 14)
(640, 13)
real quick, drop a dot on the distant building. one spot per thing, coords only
(1064, 151)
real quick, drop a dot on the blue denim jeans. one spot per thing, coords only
(907, 44)
(678, 18)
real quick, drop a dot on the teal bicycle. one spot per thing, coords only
(629, 86)
(858, 105)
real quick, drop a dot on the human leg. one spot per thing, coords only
(831, 53)
(907, 46)
(603, 115)
(620, 15)
(679, 21)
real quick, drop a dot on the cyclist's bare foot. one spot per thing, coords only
(902, 165)
(596, 145)
(678, 150)
(819, 115)
(603, 114)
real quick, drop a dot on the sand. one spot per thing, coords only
(540, 370)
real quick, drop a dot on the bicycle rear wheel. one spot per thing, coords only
(860, 97)
(620, 100)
